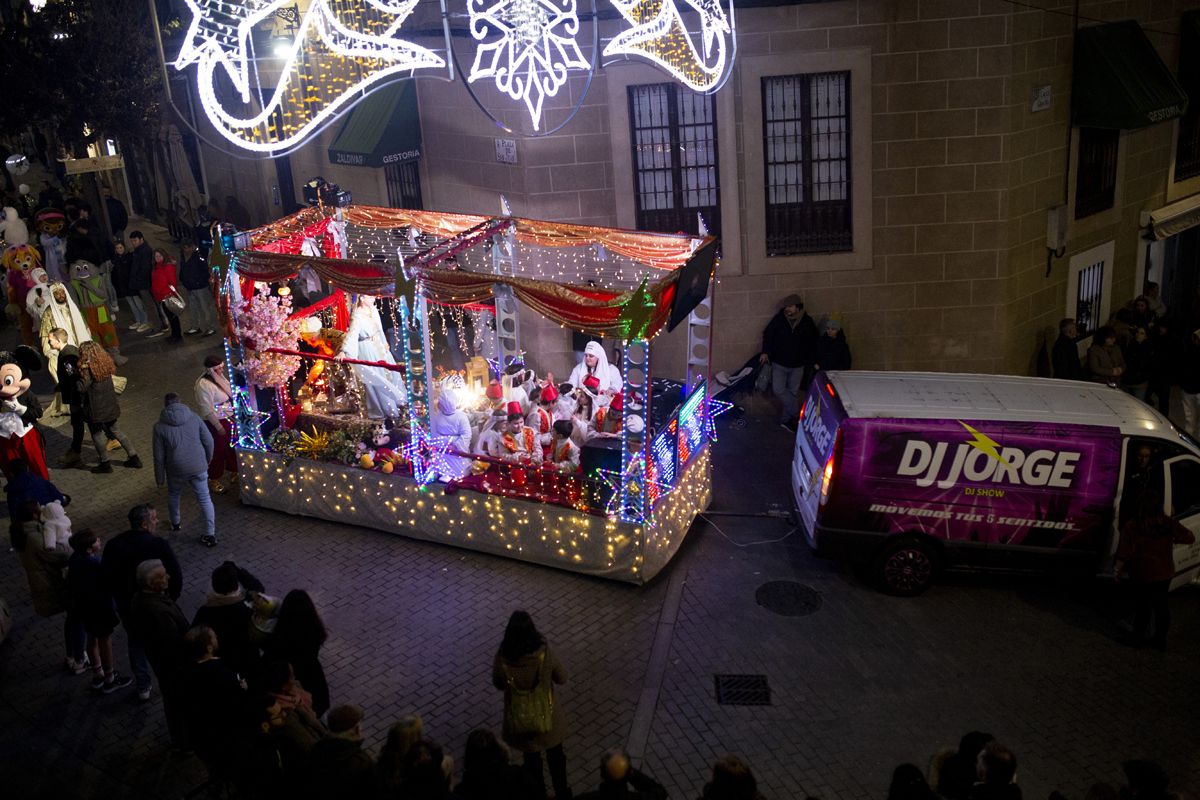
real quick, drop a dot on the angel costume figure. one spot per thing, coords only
(39, 295)
(595, 375)
(383, 388)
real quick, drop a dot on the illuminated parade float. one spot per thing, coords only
(379, 380)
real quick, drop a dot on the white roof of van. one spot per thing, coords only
(938, 395)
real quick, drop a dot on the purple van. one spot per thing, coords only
(907, 473)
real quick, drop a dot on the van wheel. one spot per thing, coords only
(906, 566)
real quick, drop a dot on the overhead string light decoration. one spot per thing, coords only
(342, 50)
(658, 33)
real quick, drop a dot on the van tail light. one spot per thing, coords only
(830, 468)
(803, 408)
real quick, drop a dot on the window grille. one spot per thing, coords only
(1187, 148)
(674, 136)
(1096, 171)
(403, 185)
(1087, 298)
(806, 153)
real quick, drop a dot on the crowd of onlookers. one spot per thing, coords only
(243, 688)
(1141, 349)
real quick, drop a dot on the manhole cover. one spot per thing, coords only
(742, 690)
(788, 598)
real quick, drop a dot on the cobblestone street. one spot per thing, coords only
(865, 682)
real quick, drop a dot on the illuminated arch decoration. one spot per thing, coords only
(659, 34)
(532, 48)
(342, 49)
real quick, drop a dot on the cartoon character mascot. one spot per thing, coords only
(50, 223)
(19, 439)
(19, 261)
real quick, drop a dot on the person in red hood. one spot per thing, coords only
(163, 284)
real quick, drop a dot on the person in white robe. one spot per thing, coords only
(595, 375)
(383, 388)
(448, 422)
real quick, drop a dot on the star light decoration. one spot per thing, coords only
(342, 49)
(614, 480)
(637, 313)
(248, 421)
(533, 50)
(658, 34)
(427, 454)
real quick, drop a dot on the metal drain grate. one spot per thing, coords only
(742, 690)
(788, 598)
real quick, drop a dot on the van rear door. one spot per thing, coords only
(1182, 499)
(821, 417)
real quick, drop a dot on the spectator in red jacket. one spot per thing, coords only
(164, 285)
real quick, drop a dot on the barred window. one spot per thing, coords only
(806, 128)
(1087, 298)
(674, 137)
(403, 185)
(1187, 148)
(1096, 171)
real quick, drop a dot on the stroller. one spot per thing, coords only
(739, 383)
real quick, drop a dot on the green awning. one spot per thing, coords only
(385, 128)
(1119, 80)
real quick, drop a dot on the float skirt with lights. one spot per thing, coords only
(336, 419)
(522, 529)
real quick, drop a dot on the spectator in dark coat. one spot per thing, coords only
(80, 246)
(296, 729)
(141, 267)
(298, 638)
(217, 704)
(523, 662)
(183, 448)
(193, 274)
(1162, 367)
(122, 264)
(92, 604)
(958, 771)
(789, 344)
(487, 773)
(119, 564)
(227, 613)
(160, 624)
(908, 783)
(1145, 780)
(389, 768)
(339, 765)
(832, 350)
(731, 780)
(1064, 357)
(68, 389)
(997, 774)
(1145, 555)
(620, 780)
(100, 407)
(1139, 356)
(1105, 361)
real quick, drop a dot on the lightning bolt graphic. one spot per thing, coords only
(985, 444)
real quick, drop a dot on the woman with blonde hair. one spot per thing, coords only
(100, 407)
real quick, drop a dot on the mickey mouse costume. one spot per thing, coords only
(19, 439)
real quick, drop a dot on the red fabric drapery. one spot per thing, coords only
(341, 317)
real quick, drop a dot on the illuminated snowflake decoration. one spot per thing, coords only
(533, 50)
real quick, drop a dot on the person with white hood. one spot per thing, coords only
(447, 422)
(595, 375)
(61, 313)
(39, 296)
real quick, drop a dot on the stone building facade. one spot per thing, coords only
(960, 140)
